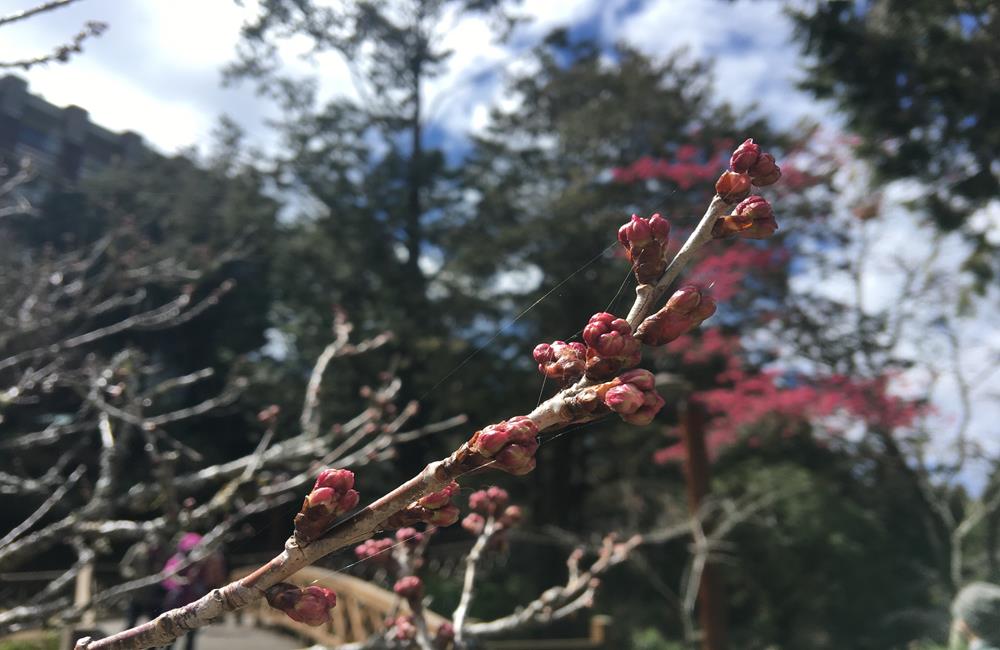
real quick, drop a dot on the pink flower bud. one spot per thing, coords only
(324, 498)
(445, 635)
(624, 399)
(561, 361)
(517, 458)
(511, 516)
(652, 403)
(685, 310)
(764, 171)
(543, 353)
(493, 438)
(473, 523)
(633, 396)
(409, 536)
(404, 628)
(269, 415)
(480, 501)
(753, 218)
(340, 480)
(310, 605)
(733, 187)
(745, 156)
(638, 377)
(498, 496)
(409, 587)
(331, 497)
(441, 498)
(645, 241)
(445, 516)
(610, 346)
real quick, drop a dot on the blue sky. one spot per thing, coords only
(157, 70)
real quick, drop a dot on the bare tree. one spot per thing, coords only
(61, 53)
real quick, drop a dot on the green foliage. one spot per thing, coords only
(840, 560)
(916, 79)
(49, 641)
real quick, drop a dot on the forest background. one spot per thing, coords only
(453, 172)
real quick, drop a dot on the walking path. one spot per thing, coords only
(229, 636)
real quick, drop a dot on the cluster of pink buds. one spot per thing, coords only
(633, 396)
(491, 502)
(749, 159)
(310, 605)
(561, 361)
(435, 509)
(331, 496)
(409, 587)
(645, 241)
(409, 536)
(748, 166)
(402, 627)
(374, 549)
(511, 444)
(610, 346)
(685, 310)
(752, 219)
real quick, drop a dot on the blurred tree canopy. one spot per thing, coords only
(917, 81)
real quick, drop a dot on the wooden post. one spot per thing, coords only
(82, 593)
(711, 591)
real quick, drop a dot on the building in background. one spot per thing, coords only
(62, 143)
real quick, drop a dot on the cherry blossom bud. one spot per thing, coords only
(610, 346)
(409, 587)
(511, 444)
(404, 628)
(473, 523)
(444, 636)
(764, 171)
(633, 396)
(733, 187)
(512, 516)
(331, 496)
(409, 536)
(445, 516)
(753, 218)
(745, 156)
(374, 549)
(310, 605)
(685, 310)
(498, 496)
(624, 399)
(517, 458)
(441, 498)
(561, 361)
(480, 501)
(645, 241)
(269, 415)
(435, 509)
(340, 480)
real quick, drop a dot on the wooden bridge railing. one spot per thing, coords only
(362, 609)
